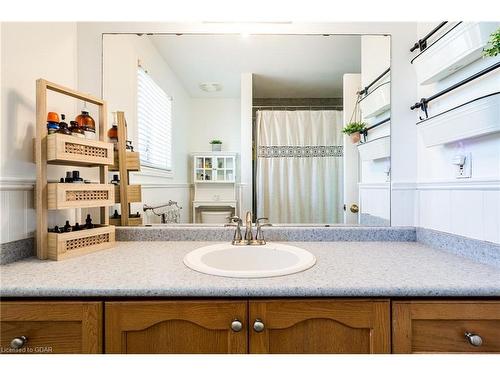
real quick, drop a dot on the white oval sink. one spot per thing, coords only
(271, 259)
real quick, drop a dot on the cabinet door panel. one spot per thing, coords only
(52, 327)
(320, 326)
(440, 326)
(175, 327)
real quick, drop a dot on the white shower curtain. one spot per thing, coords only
(299, 166)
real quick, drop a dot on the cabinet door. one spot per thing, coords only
(176, 327)
(319, 326)
(51, 327)
(446, 326)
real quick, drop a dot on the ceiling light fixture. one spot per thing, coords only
(210, 86)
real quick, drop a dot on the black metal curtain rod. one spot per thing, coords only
(422, 43)
(423, 103)
(365, 131)
(365, 90)
(377, 124)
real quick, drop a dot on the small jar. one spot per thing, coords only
(63, 126)
(76, 130)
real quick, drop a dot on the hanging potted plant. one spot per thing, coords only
(216, 145)
(354, 130)
(355, 126)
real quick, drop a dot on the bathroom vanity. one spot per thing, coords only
(360, 297)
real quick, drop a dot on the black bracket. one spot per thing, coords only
(422, 104)
(421, 44)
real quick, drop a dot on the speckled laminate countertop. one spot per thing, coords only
(153, 269)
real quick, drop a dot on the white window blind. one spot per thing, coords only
(154, 120)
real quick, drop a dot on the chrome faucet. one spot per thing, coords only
(248, 227)
(248, 239)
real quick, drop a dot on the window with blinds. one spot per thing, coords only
(154, 122)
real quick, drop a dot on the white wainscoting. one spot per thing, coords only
(375, 199)
(17, 213)
(466, 208)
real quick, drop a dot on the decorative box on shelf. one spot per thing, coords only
(377, 101)
(67, 245)
(134, 193)
(62, 196)
(478, 117)
(214, 167)
(133, 162)
(459, 47)
(69, 150)
(375, 149)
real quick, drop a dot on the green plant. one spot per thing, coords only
(215, 142)
(493, 47)
(353, 127)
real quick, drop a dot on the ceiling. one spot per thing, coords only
(284, 66)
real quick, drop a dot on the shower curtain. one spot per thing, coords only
(299, 166)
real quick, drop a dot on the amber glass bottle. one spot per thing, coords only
(86, 123)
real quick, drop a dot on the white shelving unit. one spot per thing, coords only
(476, 118)
(377, 101)
(214, 178)
(376, 149)
(458, 48)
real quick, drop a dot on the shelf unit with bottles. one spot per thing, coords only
(65, 150)
(125, 161)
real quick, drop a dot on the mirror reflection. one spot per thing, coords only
(295, 128)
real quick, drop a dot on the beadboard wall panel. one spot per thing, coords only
(470, 209)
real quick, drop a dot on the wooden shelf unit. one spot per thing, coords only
(124, 163)
(62, 149)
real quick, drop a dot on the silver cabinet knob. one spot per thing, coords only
(18, 342)
(258, 325)
(236, 325)
(473, 339)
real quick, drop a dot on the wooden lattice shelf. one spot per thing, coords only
(134, 193)
(67, 245)
(69, 150)
(133, 163)
(63, 149)
(125, 162)
(61, 196)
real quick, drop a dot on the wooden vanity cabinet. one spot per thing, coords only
(319, 326)
(182, 326)
(446, 326)
(51, 327)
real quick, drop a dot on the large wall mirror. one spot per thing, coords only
(295, 128)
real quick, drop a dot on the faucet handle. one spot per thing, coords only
(234, 219)
(259, 236)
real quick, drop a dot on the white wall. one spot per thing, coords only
(466, 207)
(218, 118)
(374, 189)
(30, 51)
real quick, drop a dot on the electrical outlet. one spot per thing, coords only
(463, 165)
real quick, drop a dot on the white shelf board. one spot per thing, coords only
(377, 149)
(458, 48)
(376, 102)
(473, 119)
